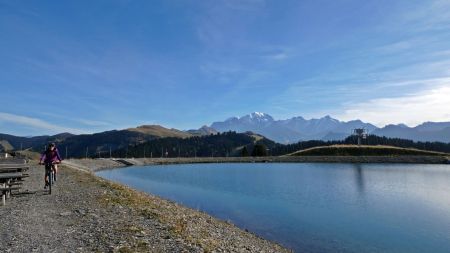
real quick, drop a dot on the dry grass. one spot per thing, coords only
(160, 131)
(366, 150)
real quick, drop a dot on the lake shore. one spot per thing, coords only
(109, 163)
(86, 213)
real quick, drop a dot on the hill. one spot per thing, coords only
(157, 130)
(18, 142)
(101, 144)
(221, 144)
(93, 144)
(370, 140)
(370, 150)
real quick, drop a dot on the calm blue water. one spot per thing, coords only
(314, 207)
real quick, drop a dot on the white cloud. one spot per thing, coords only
(428, 105)
(37, 123)
(280, 56)
(94, 123)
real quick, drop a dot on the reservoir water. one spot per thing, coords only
(314, 207)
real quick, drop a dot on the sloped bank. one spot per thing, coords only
(108, 163)
(190, 226)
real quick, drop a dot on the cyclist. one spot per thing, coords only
(50, 157)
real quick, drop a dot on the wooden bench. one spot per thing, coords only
(11, 177)
(12, 168)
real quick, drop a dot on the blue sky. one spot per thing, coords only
(89, 66)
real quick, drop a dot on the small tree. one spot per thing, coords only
(244, 151)
(259, 150)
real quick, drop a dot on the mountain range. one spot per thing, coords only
(281, 131)
(327, 128)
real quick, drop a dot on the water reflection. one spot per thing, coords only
(359, 178)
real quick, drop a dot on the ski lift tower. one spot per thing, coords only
(361, 133)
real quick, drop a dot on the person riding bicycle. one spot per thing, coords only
(50, 158)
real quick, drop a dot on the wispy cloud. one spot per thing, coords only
(94, 123)
(422, 20)
(278, 56)
(427, 105)
(37, 123)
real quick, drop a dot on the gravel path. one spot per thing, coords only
(89, 214)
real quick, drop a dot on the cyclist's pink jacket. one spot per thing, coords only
(50, 156)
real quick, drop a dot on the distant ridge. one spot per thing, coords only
(327, 128)
(292, 130)
(204, 130)
(430, 131)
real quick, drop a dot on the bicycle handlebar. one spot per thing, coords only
(53, 162)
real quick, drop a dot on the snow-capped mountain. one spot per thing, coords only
(291, 130)
(327, 128)
(254, 120)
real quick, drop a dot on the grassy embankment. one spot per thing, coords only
(364, 150)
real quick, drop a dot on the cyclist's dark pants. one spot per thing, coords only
(48, 168)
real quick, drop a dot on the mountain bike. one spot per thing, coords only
(50, 174)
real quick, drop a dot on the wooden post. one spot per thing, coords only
(3, 195)
(8, 193)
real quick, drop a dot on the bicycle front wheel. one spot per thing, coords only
(50, 182)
